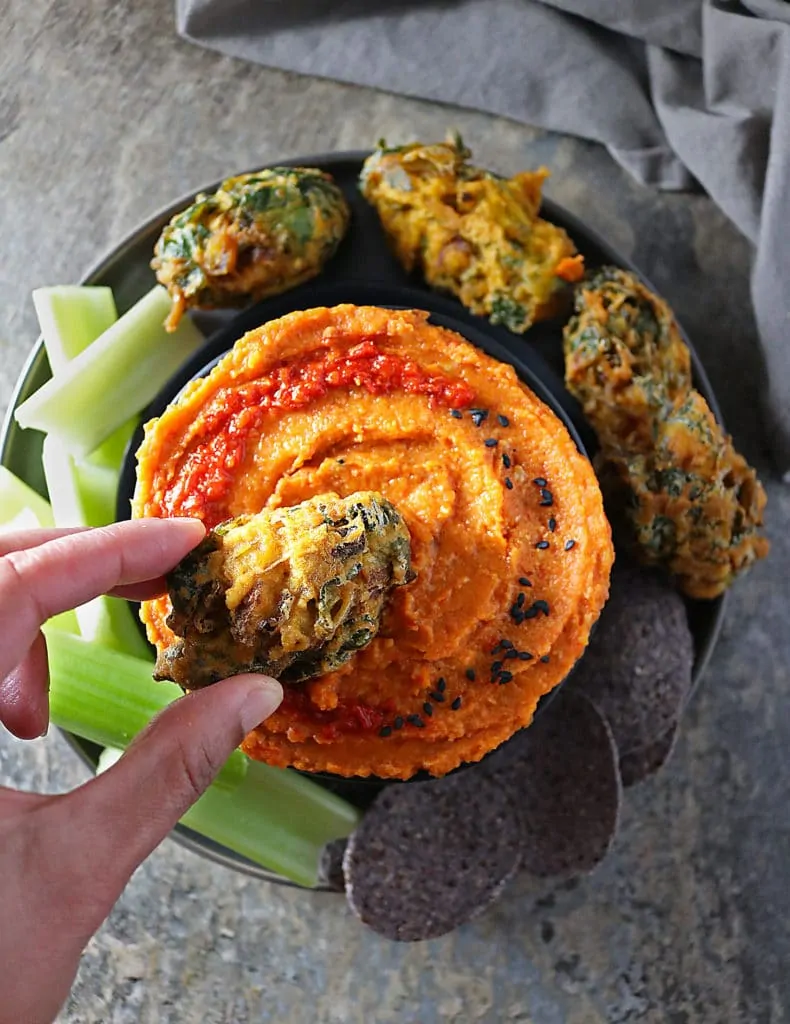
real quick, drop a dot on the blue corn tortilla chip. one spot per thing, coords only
(429, 856)
(637, 666)
(565, 778)
(638, 765)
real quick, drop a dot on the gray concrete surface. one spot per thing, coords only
(105, 115)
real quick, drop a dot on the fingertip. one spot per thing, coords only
(263, 697)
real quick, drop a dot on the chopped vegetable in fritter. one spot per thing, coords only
(625, 360)
(290, 592)
(471, 232)
(259, 234)
(696, 503)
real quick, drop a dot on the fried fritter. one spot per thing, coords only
(625, 360)
(290, 592)
(259, 234)
(471, 232)
(696, 505)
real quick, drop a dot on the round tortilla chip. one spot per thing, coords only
(640, 764)
(330, 866)
(430, 856)
(637, 666)
(567, 779)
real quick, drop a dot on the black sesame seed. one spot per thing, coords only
(505, 677)
(524, 656)
(552, 524)
(470, 675)
(569, 544)
(545, 659)
(507, 644)
(478, 415)
(398, 723)
(497, 647)
(438, 697)
(341, 462)
(495, 667)
(490, 442)
(509, 655)
(456, 414)
(508, 483)
(524, 581)
(441, 684)
(530, 613)
(506, 461)
(520, 600)
(503, 420)
(542, 545)
(516, 615)
(540, 481)
(385, 731)
(547, 498)
(427, 708)
(541, 606)
(415, 720)
(456, 704)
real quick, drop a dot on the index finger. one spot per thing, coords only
(42, 581)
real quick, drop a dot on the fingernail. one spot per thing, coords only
(261, 701)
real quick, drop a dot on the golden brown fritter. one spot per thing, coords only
(625, 360)
(696, 505)
(693, 503)
(290, 592)
(471, 232)
(259, 234)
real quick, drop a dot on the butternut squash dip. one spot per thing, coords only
(509, 541)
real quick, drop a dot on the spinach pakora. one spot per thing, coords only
(625, 360)
(471, 232)
(693, 504)
(290, 592)
(258, 235)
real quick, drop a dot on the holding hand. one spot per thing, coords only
(64, 860)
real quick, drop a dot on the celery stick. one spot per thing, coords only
(114, 378)
(274, 817)
(108, 697)
(83, 494)
(22, 508)
(70, 318)
(16, 496)
(110, 453)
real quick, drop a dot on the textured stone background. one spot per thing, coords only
(104, 116)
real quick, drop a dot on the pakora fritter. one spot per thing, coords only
(693, 503)
(259, 234)
(696, 505)
(625, 360)
(471, 232)
(291, 592)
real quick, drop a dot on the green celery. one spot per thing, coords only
(107, 697)
(71, 317)
(16, 496)
(22, 508)
(274, 817)
(114, 378)
(110, 453)
(83, 494)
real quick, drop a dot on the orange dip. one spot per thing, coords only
(509, 539)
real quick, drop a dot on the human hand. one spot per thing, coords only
(64, 860)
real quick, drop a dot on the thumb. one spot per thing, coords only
(122, 815)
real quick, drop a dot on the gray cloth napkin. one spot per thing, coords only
(676, 90)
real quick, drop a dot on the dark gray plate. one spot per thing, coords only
(364, 265)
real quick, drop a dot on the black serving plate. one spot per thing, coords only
(363, 272)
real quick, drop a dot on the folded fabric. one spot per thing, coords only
(677, 91)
